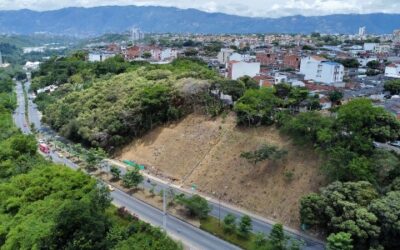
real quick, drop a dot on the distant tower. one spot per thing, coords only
(136, 35)
(362, 31)
(1, 59)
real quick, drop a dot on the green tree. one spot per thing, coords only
(312, 210)
(132, 178)
(257, 106)
(373, 64)
(387, 209)
(196, 205)
(393, 86)
(245, 227)
(229, 223)
(116, 172)
(277, 237)
(335, 96)
(339, 241)
(146, 54)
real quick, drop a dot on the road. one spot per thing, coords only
(191, 236)
(220, 210)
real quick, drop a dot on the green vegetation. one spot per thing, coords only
(118, 106)
(132, 178)
(276, 240)
(47, 206)
(349, 63)
(265, 152)
(196, 205)
(393, 87)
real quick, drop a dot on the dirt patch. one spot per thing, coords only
(206, 152)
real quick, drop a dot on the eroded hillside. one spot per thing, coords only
(206, 152)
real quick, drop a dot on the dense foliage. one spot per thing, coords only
(47, 206)
(99, 109)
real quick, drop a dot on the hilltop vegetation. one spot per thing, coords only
(122, 100)
(47, 206)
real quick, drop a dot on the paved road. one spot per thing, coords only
(190, 235)
(19, 113)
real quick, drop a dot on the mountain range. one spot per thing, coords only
(110, 19)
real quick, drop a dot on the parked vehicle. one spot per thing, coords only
(395, 144)
(44, 148)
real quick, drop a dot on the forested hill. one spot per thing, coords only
(99, 20)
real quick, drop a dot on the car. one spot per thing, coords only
(41, 141)
(111, 188)
(395, 144)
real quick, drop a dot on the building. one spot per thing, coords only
(362, 31)
(392, 70)
(99, 56)
(267, 59)
(31, 66)
(321, 70)
(291, 61)
(396, 36)
(370, 46)
(136, 35)
(237, 69)
(3, 64)
(224, 54)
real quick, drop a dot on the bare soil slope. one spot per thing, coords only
(206, 152)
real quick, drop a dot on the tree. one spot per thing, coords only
(116, 172)
(339, 241)
(146, 54)
(245, 226)
(373, 64)
(263, 153)
(257, 106)
(312, 211)
(94, 157)
(277, 237)
(335, 96)
(229, 223)
(132, 178)
(387, 209)
(196, 205)
(392, 86)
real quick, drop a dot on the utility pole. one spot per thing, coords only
(164, 210)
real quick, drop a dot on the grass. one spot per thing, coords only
(211, 225)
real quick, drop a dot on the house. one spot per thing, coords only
(392, 70)
(291, 61)
(321, 70)
(31, 66)
(267, 59)
(237, 69)
(132, 53)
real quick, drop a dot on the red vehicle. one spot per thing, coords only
(44, 148)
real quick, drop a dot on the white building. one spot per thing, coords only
(238, 69)
(224, 54)
(31, 66)
(168, 54)
(370, 46)
(99, 56)
(136, 34)
(321, 70)
(239, 57)
(362, 31)
(364, 61)
(393, 70)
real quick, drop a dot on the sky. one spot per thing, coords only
(253, 8)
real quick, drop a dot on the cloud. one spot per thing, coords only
(255, 8)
